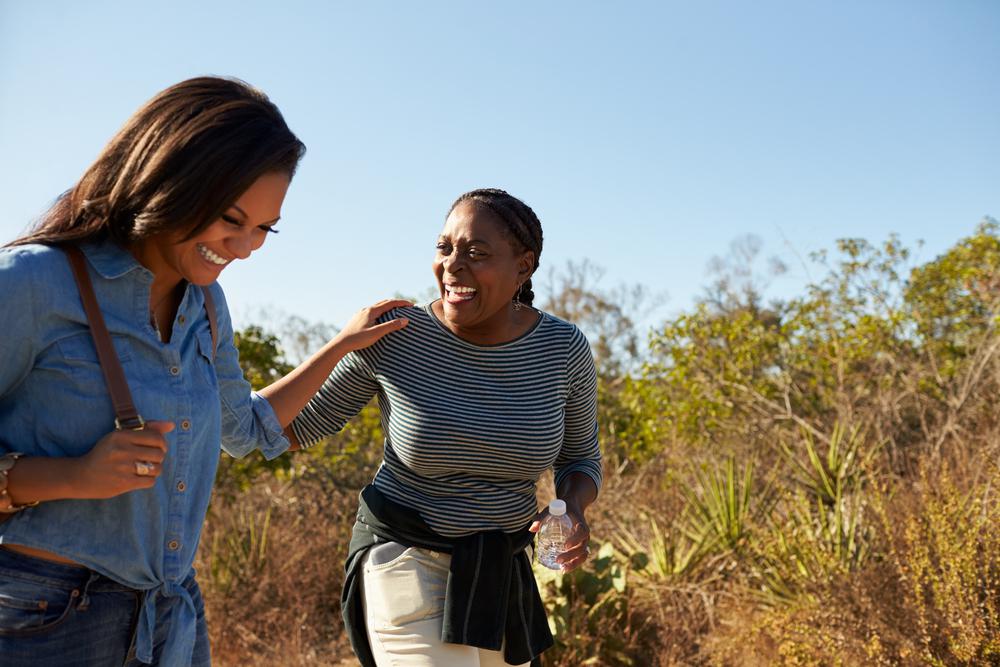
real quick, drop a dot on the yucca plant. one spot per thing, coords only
(814, 542)
(830, 505)
(721, 507)
(664, 555)
(828, 477)
(819, 531)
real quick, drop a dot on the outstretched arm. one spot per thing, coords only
(259, 420)
(290, 394)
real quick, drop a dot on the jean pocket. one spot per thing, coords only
(387, 554)
(27, 608)
(404, 590)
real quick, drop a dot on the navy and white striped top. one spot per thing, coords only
(468, 428)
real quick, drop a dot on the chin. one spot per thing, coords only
(453, 314)
(202, 278)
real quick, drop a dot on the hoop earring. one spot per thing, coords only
(517, 298)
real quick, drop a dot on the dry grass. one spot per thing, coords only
(271, 567)
(816, 485)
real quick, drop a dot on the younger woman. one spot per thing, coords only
(103, 522)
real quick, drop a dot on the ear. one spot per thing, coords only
(525, 265)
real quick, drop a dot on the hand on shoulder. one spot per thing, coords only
(363, 329)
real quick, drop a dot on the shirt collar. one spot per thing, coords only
(110, 259)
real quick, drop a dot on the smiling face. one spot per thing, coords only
(235, 235)
(478, 270)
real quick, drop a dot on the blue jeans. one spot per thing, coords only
(55, 615)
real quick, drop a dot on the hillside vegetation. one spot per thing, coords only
(810, 482)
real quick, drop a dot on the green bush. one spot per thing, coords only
(810, 482)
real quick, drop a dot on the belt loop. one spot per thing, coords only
(84, 602)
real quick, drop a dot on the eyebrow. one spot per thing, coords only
(247, 217)
(442, 237)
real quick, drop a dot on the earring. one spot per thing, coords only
(517, 298)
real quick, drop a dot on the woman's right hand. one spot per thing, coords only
(110, 468)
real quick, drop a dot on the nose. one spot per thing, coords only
(452, 262)
(240, 245)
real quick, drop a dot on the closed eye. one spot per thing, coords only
(236, 223)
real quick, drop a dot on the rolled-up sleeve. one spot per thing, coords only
(580, 449)
(248, 420)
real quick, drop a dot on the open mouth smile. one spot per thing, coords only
(459, 293)
(211, 257)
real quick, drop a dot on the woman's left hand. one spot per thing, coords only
(577, 544)
(363, 329)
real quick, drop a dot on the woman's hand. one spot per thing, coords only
(122, 461)
(577, 544)
(290, 394)
(362, 330)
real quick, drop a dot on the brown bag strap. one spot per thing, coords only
(126, 416)
(213, 322)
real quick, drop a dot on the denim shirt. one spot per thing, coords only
(54, 402)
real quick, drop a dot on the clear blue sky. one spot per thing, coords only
(646, 135)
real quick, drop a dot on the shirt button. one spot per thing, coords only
(174, 370)
(180, 319)
(181, 486)
(185, 425)
(173, 545)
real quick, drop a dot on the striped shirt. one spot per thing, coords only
(468, 428)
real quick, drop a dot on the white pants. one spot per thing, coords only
(402, 591)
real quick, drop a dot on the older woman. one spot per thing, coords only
(479, 395)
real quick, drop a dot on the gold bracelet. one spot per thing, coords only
(7, 506)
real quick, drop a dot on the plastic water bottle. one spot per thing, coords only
(553, 533)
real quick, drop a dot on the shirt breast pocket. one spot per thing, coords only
(79, 355)
(206, 358)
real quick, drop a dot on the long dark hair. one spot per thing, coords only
(178, 163)
(523, 227)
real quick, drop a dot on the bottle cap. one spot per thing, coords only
(557, 507)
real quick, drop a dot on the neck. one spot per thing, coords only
(164, 300)
(502, 327)
(163, 293)
(165, 279)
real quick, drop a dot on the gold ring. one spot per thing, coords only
(143, 468)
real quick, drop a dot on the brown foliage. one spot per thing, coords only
(809, 484)
(271, 567)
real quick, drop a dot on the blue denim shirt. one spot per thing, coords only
(54, 402)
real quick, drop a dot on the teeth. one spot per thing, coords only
(211, 256)
(458, 289)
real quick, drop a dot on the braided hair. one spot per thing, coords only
(521, 226)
